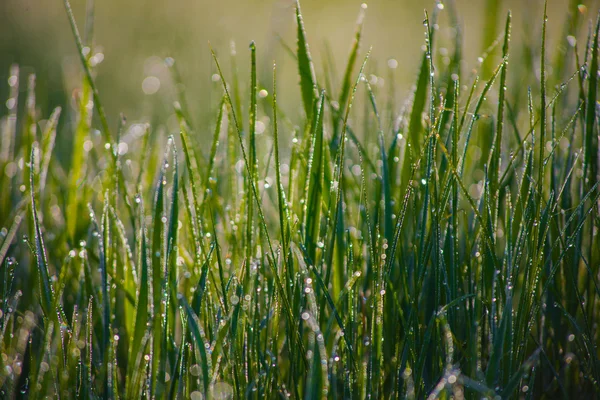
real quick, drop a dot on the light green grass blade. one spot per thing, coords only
(46, 290)
(88, 73)
(48, 142)
(496, 152)
(284, 222)
(315, 182)
(79, 157)
(347, 79)
(306, 69)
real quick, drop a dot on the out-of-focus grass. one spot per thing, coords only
(135, 36)
(316, 232)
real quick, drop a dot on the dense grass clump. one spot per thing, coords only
(446, 246)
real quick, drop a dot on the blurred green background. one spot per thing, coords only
(134, 37)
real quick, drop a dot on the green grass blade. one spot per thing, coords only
(306, 69)
(199, 338)
(282, 207)
(496, 152)
(46, 290)
(316, 176)
(142, 316)
(347, 80)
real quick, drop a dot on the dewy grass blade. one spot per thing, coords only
(338, 182)
(200, 340)
(142, 316)
(308, 80)
(88, 73)
(282, 207)
(591, 141)
(385, 179)
(315, 182)
(46, 290)
(420, 99)
(347, 80)
(252, 178)
(476, 115)
(590, 163)
(213, 148)
(194, 175)
(201, 288)
(158, 264)
(543, 122)
(496, 151)
(106, 309)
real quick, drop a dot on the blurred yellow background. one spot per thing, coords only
(134, 36)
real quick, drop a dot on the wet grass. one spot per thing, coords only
(441, 246)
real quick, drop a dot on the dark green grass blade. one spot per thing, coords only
(591, 140)
(103, 265)
(201, 287)
(590, 162)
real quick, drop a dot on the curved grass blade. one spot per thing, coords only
(199, 338)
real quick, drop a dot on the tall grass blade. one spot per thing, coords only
(306, 69)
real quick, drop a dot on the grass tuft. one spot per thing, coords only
(448, 248)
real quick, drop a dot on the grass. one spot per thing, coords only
(445, 247)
